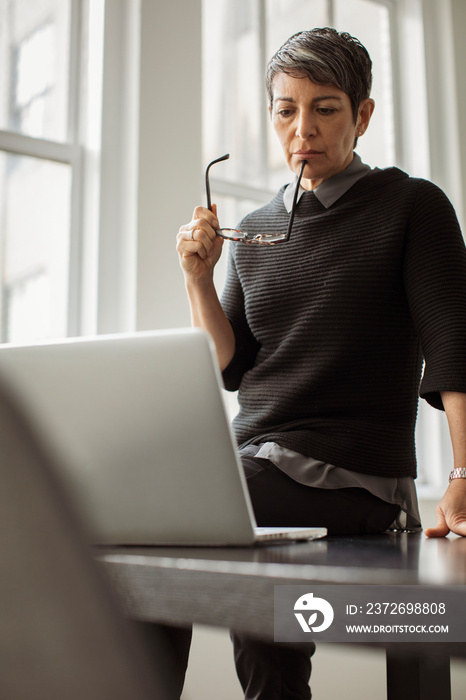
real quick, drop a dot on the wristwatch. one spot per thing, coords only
(459, 473)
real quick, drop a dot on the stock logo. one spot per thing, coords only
(312, 605)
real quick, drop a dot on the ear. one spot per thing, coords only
(365, 111)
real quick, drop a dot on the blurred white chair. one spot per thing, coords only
(61, 634)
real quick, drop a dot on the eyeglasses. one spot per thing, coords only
(232, 234)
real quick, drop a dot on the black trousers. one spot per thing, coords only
(266, 670)
(270, 671)
(279, 501)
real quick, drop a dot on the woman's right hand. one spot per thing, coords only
(199, 248)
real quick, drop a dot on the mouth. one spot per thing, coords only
(305, 155)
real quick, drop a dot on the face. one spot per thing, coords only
(316, 123)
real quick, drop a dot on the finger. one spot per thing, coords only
(441, 528)
(206, 235)
(438, 531)
(191, 232)
(193, 242)
(203, 214)
(187, 247)
(201, 230)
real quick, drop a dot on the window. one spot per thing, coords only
(35, 192)
(43, 47)
(240, 37)
(35, 247)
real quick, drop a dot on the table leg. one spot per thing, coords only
(418, 676)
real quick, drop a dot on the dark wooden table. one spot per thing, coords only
(234, 588)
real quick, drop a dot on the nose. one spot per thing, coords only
(305, 125)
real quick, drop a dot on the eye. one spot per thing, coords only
(326, 111)
(284, 112)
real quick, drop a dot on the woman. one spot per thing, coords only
(324, 335)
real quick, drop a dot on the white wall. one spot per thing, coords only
(170, 168)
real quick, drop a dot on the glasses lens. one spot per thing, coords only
(268, 238)
(232, 234)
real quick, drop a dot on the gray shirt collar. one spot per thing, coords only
(332, 189)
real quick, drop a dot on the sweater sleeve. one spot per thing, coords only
(435, 283)
(246, 345)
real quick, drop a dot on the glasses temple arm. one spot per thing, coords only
(207, 188)
(295, 199)
(207, 183)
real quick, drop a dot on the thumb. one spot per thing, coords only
(441, 529)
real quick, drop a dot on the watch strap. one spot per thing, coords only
(458, 473)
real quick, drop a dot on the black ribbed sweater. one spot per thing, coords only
(332, 327)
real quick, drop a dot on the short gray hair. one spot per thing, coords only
(326, 57)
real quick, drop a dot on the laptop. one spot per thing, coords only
(138, 428)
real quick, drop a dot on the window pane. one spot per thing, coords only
(370, 23)
(34, 62)
(232, 88)
(34, 233)
(285, 18)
